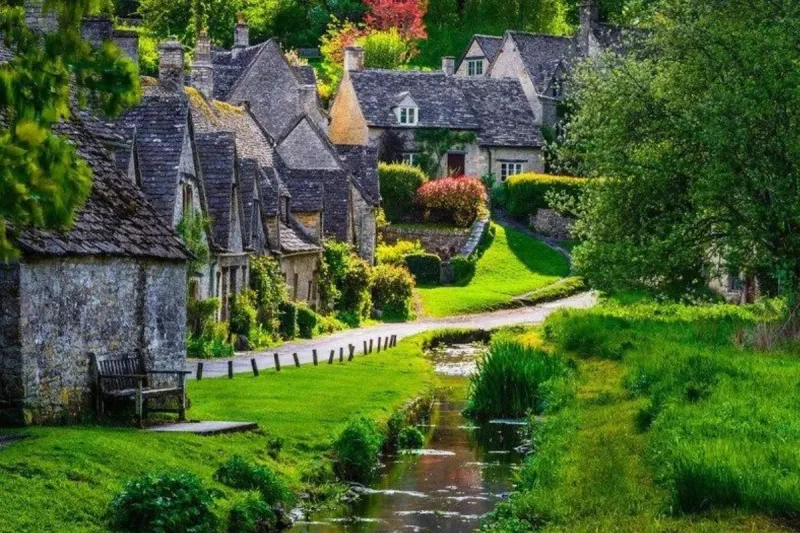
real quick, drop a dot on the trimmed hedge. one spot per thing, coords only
(392, 290)
(426, 268)
(456, 201)
(463, 269)
(525, 193)
(399, 184)
(288, 320)
(306, 321)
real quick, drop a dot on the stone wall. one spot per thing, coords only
(73, 307)
(482, 160)
(364, 226)
(551, 224)
(10, 353)
(305, 266)
(443, 242)
(347, 124)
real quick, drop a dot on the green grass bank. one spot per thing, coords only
(63, 478)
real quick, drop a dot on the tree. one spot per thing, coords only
(404, 15)
(43, 180)
(183, 19)
(385, 49)
(698, 143)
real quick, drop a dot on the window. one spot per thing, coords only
(410, 158)
(475, 67)
(295, 285)
(186, 200)
(509, 169)
(558, 88)
(407, 116)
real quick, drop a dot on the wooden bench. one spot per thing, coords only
(125, 378)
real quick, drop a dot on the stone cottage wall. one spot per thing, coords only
(70, 308)
(10, 352)
(481, 160)
(444, 243)
(305, 267)
(364, 226)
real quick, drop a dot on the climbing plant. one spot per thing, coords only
(434, 143)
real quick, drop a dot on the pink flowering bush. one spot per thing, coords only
(456, 201)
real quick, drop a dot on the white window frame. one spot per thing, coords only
(510, 168)
(410, 158)
(407, 115)
(474, 67)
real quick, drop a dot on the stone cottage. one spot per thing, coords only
(479, 56)
(113, 285)
(384, 109)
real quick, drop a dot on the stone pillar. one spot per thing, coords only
(353, 59)
(241, 35)
(37, 20)
(590, 15)
(203, 67)
(449, 65)
(170, 66)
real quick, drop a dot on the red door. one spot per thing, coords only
(455, 164)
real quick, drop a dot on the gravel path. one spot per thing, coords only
(323, 345)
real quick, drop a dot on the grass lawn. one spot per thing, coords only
(514, 264)
(671, 426)
(62, 478)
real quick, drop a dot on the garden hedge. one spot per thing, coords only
(426, 268)
(399, 184)
(288, 320)
(525, 193)
(306, 321)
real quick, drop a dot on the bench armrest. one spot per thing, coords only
(174, 372)
(135, 376)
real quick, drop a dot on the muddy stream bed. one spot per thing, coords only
(460, 475)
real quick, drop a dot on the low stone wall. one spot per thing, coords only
(550, 223)
(443, 242)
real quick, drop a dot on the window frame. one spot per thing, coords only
(511, 168)
(410, 158)
(473, 67)
(407, 115)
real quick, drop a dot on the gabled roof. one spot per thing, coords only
(362, 161)
(116, 220)
(490, 44)
(295, 240)
(304, 145)
(228, 69)
(503, 111)
(307, 195)
(542, 54)
(306, 74)
(336, 198)
(161, 123)
(270, 192)
(248, 178)
(217, 155)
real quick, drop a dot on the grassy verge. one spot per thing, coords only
(672, 426)
(514, 264)
(62, 479)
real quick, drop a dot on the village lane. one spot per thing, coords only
(357, 337)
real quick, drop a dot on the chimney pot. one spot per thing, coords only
(170, 65)
(241, 34)
(449, 65)
(353, 59)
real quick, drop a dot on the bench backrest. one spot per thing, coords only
(106, 366)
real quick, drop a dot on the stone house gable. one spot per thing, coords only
(482, 47)
(348, 126)
(303, 146)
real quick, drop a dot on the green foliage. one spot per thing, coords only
(678, 196)
(395, 254)
(426, 268)
(213, 343)
(148, 50)
(164, 503)
(243, 315)
(288, 320)
(252, 515)
(345, 283)
(434, 143)
(356, 450)
(410, 438)
(183, 19)
(192, 229)
(399, 184)
(453, 200)
(525, 193)
(392, 290)
(592, 336)
(385, 49)
(43, 179)
(201, 314)
(463, 269)
(510, 380)
(268, 282)
(239, 473)
(306, 321)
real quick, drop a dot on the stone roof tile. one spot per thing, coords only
(217, 155)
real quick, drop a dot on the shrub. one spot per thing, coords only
(344, 283)
(164, 503)
(212, 344)
(463, 269)
(509, 380)
(239, 473)
(395, 254)
(410, 438)
(356, 298)
(306, 321)
(456, 201)
(243, 314)
(356, 450)
(385, 49)
(252, 515)
(392, 290)
(200, 315)
(590, 336)
(288, 320)
(426, 268)
(525, 193)
(399, 184)
(267, 280)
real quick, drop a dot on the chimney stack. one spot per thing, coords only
(449, 65)
(203, 67)
(241, 35)
(170, 66)
(128, 41)
(353, 59)
(590, 15)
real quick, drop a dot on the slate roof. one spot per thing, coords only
(217, 155)
(503, 111)
(161, 123)
(362, 162)
(490, 45)
(248, 176)
(542, 54)
(294, 239)
(306, 74)
(228, 69)
(336, 198)
(444, 102)
(620, 39)
(116, 220)
(269, 190)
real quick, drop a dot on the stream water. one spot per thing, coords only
(448, 486)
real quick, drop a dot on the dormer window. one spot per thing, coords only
(475, 67)
(407, 116)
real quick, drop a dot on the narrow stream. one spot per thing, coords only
(449, 486)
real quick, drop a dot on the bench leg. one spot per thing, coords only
(139, 404)
(182, 407)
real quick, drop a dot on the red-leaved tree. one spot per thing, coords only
(405, 15)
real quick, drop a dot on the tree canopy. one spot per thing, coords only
(697, 141)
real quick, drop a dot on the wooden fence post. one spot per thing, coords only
(314, 355)
(341, 354)
(370, 346)
(352, 351)
(230, 369)
(199, 371)
(333, 354)
(255, 366)
(379, 345)
(365, 347)
(296, 360)
(277, 363)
